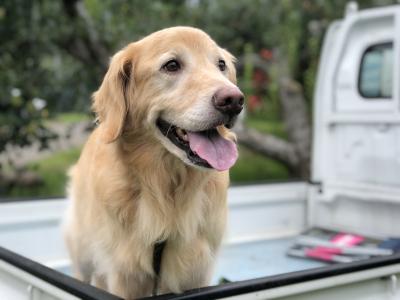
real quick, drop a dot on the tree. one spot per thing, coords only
(59, 51)
(294, 154)
(22, 108)
(293, 30)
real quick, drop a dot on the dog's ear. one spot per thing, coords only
(110, 102)
(230, 60)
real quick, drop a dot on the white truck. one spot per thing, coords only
(355, 187)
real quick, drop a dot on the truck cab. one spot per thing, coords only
(356, 146)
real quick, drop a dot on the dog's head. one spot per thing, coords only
(180, 87)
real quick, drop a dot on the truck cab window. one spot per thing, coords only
(376, 72)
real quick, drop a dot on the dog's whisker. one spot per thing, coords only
(169, 128)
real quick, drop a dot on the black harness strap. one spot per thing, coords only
(157, 257)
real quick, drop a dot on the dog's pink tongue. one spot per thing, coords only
(220, 153)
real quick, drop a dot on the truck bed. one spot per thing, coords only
(264, 221)
(262, 227)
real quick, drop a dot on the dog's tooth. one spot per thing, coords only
(185, 136)
(180, 132)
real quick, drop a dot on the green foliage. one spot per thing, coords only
(248, 70)
(21, 123)
(21, 99)
(53, 171)
(252, 167)
(274, 128)
(42, 44)
(71, 117)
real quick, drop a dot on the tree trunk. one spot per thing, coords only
(85, 44)
(295, 153)
(297, 123)
(267, 145)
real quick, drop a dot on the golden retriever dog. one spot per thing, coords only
(156, 167)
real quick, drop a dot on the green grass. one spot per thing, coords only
(71, 117)
(53, 171)
(273, 127)
(252, 167)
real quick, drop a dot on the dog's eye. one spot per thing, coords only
(171, 66)
(222, 65)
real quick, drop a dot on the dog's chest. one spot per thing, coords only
(176, 216)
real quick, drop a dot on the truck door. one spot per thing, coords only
(357, 122)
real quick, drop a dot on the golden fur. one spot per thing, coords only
(132, 188)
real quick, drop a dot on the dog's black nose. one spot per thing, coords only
(228, 100)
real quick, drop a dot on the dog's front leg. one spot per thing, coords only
(100, 281)
(129, 286)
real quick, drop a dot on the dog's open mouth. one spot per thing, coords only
(203, 148)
